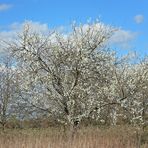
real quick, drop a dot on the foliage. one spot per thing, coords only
(74, 77)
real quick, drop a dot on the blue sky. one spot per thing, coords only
(130, 15)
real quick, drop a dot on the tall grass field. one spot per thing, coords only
(88, 137)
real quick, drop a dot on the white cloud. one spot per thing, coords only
(4, 7)
(37, 27)
(139, 19)
(34, 26)
(123, 38)
(11, 32)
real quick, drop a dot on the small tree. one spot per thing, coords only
(7, 88)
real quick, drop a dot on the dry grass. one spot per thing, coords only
(119, 137)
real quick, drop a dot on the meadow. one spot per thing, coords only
(88, 137)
